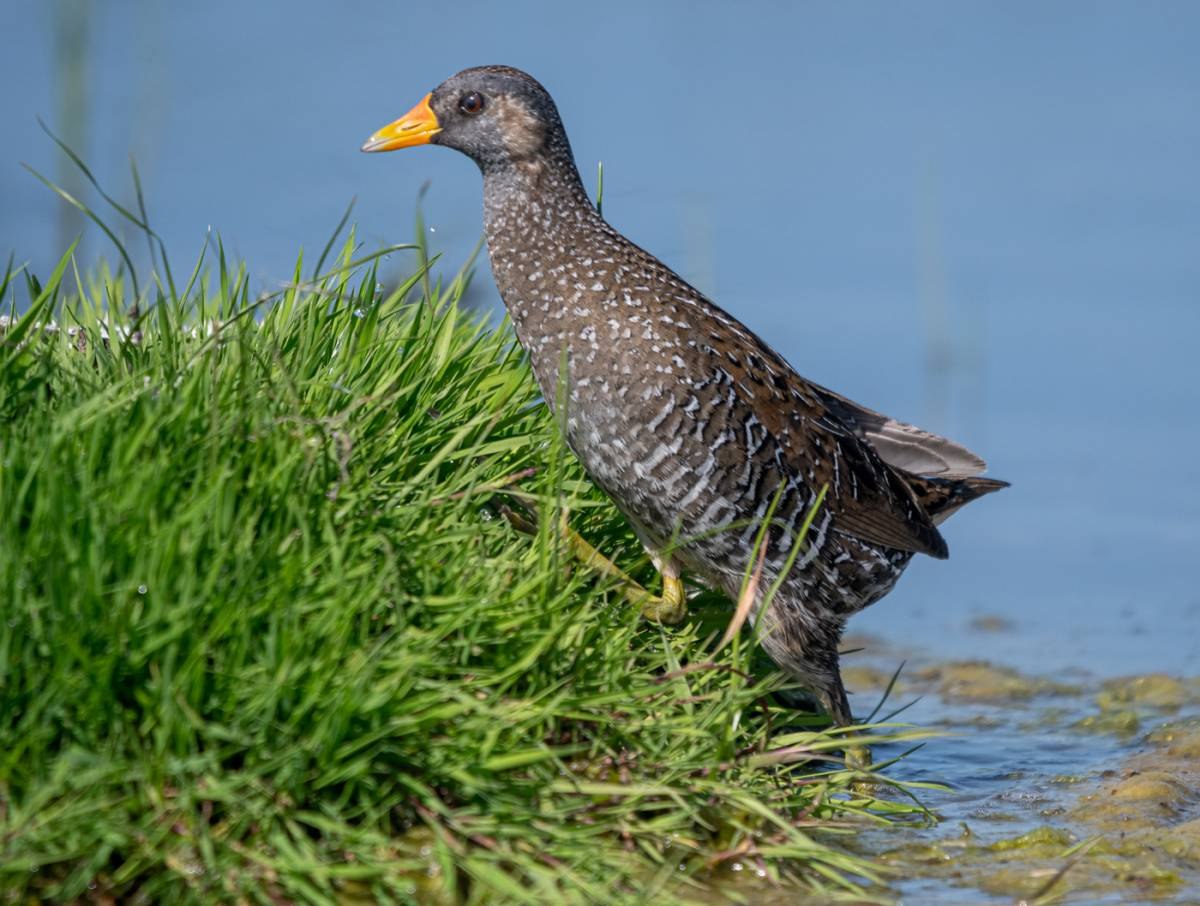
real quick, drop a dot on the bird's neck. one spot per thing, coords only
(544, 194)
(537, 218)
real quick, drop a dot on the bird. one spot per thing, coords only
(704, 437)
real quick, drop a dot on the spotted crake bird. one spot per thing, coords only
(691, 423)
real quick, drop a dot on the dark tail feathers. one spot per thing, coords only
(942, 497)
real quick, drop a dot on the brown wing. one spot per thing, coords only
(876, 504)
(869, 499)
(815, 428)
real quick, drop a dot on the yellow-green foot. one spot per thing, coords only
(670, 607)
(858, 757)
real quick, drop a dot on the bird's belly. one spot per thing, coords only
(666, 478)
(679, 496)
(848, 575)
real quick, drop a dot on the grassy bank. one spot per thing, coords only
(265, 637)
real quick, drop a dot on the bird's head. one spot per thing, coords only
(495, 115)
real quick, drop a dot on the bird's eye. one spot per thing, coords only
(471, 104)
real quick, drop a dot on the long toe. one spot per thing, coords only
(662, 610)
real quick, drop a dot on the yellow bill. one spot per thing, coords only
(416, 127)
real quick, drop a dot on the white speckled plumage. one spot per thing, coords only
(690, 422)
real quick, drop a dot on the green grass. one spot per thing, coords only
(264, 636)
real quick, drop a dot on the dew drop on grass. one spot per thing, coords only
(359, 313)
(142, 589)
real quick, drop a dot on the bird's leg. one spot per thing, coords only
(858, 757)
(837, 705)
(670, 607)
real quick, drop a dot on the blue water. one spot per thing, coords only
(984, 218)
